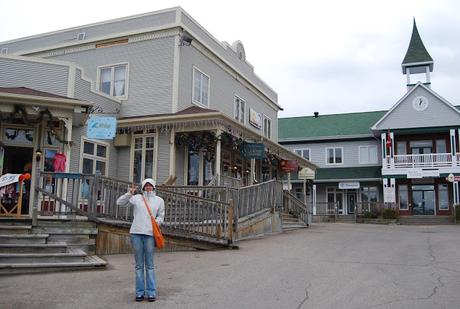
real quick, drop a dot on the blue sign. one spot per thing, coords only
(101, 127)
(253, 151)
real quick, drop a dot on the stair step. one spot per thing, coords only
(23, 238)
(90, 262)
(34, 248)
(72, 256)
(15, 229)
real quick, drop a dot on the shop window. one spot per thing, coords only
(443, 197)
(143, 157)
(403, 197)
(94, 157)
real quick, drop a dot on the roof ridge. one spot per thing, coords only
(366, 112)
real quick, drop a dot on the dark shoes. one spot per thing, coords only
(151, 298)
(140, 298)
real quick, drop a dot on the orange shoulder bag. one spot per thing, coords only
(157, 235)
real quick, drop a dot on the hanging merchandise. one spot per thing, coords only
(59, 160)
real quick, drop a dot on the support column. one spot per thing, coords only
(384, 149)
(172, 153)
(456, 192)
(453, 146)
(314, 199)
(218, 157)
(252, 172)
(392, 147)
(67, 152)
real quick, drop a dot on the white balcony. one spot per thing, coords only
(430, 160)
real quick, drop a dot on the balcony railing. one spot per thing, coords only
(423, 160)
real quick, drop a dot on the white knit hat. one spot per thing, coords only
(146, 181)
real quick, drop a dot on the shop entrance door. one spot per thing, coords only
(18, 160)
(351, 201)
(423, 200)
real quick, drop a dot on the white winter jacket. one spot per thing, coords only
(141, 223)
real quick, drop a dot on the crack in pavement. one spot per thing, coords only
(307, 297)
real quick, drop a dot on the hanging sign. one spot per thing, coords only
(253, 151)
(101, 127)
(306, 173)
(8, 179)
(289, 166)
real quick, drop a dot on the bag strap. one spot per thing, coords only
(148, 208)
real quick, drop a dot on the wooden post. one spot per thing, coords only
(172, 153)
(218, 158)
(230, 221)
(19, 206)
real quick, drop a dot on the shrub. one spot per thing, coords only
(370, 215)
(389, 213)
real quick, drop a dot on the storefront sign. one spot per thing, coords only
(253, 151)
(418, 173)
(389, 194)
(306, 173)
(452, 178)
(8, 179)
(255, 118)
(348, 185)
(101, 127)
(289, 166)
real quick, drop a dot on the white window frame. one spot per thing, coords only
(112, 79)
(193, 88)
(302, 150)
(237, 100)
(4, 51)
(93, 156)
(368, 147)
(267, 134)
(155, 155)
(326, 155)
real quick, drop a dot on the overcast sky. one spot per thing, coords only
(325, 56)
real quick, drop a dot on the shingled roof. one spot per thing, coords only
(416, 52)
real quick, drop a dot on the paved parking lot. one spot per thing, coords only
(326, 266)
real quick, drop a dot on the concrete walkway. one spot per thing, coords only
(327, 266)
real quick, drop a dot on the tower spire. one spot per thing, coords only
(417, 59)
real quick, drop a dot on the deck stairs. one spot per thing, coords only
(291, 222)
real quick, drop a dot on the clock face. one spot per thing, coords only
(420, 103)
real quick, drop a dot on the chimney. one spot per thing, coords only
(316, 114)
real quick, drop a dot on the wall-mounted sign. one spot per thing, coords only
(419, 173)
(101, 127)
(306, 173)
(389, 194)
(8, 179)
(289, 166)
(349, 185)
(255, 118)
(253, 151)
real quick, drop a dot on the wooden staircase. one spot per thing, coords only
(52, 246)
(426, 220)
(291, 223)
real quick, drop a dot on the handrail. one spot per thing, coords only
(421, 160)
(296, 207)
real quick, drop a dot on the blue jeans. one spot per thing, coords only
(143, 247)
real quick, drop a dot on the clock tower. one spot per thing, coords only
(417, 61)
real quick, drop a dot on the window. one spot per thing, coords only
(4, 51)
(369, 195)
(403, 197)
(143, 157)
(239, 108)
(443, 197)
(334, 155)
(113, 80)
(368, 154)
(94, 157)
(267, 127)
(200, 88)
(401, 148)
(304, 152)
(441, 146)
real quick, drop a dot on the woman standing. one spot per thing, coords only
(142, 236)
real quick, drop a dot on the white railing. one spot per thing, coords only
(422, 160)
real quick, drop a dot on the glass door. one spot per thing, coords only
(423, 200)
(351, 201)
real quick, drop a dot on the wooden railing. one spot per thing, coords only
(252, 199)
(226, 181)
(296, 207)
(192, 214)
(326, 209)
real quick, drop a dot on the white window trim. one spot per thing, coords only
(234, 107)
(98, 79)
(94, 157)
(193, 88)
(368, 146)
(326, 157)
(302, 150)
(155, 154)
(263, 126)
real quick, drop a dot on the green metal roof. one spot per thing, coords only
(416, 52)
(339, 125)
(343, 173)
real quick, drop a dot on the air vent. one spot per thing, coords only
(4, 51)
(81, 36)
